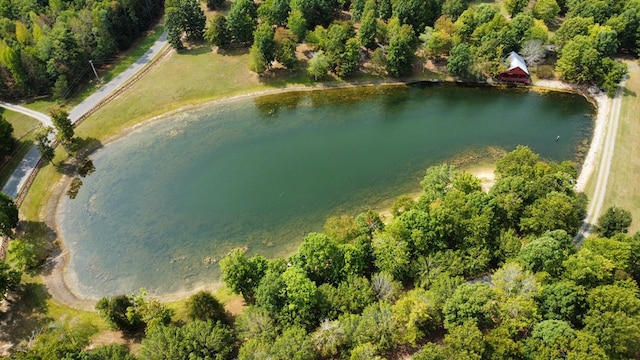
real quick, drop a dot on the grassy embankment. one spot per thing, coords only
(623, 188)
(24, 130)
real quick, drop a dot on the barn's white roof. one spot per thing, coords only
(516, 61)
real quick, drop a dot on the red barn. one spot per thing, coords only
(517, 69)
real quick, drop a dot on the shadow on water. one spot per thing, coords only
(269, 106)
(80, 165)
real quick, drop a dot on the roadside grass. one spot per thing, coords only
(22, 124)
(623, 188)
(117, 65)
(106, 73)
(25, 129)
(193, 77)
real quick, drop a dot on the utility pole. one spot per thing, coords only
(94, 70)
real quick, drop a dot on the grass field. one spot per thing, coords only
(623, 188)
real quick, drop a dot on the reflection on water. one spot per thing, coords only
(168, 201)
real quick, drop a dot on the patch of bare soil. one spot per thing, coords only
(235, 306)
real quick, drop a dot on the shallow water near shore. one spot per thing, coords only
(170, 199)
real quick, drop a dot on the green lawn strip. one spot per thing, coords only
(623, 189)
(41, 190)
(22, 124)
(24, 130)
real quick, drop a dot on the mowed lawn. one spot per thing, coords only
(190, 78)
(623, 187)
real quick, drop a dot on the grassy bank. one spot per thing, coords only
(623, 189)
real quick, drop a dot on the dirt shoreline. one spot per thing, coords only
(60, 283)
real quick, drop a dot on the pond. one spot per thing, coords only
(169, 199)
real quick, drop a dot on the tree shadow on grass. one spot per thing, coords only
(25, 313)
(197, 48)
(41, 236)
(232, 50)
(627, 92)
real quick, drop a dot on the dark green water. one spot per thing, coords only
(260, 173)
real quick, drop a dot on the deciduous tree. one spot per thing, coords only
(243, 275)
(401, 51)
(461, 61)
(318, 65)
(203, 306)
(218, 31)
(615, 220)
(242, 21)
(63, 124)
(515, 7)
(8, 215)
(9, 278)
(7, 142)
(546, 10)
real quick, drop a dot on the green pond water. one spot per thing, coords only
(171, 198)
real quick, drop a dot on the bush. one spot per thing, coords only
(545, 72)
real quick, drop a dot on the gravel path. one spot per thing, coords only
(602, 147)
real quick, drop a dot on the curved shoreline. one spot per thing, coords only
(58, 279)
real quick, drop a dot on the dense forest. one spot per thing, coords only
(46, 46)
(458, 273)
(388, 35)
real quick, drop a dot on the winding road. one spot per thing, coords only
(26, 169)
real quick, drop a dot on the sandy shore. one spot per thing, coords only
(603, 106)
(60, 284)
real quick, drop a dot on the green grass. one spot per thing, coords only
(193, 77)
(126, 59)
(623, 188)
(22, 124)
(24, 130)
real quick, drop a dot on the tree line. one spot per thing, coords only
(45, 47)
(473, 41)
(457, 273)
